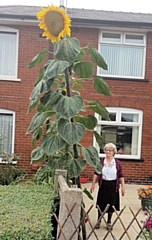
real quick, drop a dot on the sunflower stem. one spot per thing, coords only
(76, 180)
(67, 82)
(69, 94)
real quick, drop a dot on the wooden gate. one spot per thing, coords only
(134, 230)
(76, 222)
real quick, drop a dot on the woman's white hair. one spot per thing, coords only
(112, 146)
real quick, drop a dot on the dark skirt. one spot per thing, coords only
(107, 195)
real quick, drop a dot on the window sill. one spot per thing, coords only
(126, 159)
(130, 159)
(126, 79)
(4, 162)
(10, 79)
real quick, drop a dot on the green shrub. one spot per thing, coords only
(9, 174)
(25, 212)
(24, 234)
(44, 174)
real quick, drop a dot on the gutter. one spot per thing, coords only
(104, 23)
(76, 22)
(18, 20)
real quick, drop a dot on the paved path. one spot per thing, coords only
(129, 200)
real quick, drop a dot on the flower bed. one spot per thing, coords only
(147, 224)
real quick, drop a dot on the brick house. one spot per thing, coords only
(125, 42)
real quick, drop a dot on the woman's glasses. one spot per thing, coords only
(108, 150)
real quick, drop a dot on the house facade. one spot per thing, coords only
(125, 42)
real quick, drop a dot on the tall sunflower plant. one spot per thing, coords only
(61, 119)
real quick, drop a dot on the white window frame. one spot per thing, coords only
(15, 76)
(118, 112)
(122, 43)
(5, 111)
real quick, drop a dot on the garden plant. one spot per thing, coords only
(145, 192)
(25, 211)
(8, 172)
(61, 118)
(147, 224)
(56, 95)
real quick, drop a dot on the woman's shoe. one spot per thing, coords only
(97, 226)
(109, 227)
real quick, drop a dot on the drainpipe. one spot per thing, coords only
(61, 2)
(63, 5)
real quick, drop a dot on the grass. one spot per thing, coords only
(25, 212)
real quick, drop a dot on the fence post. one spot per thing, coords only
(70, 200)
(59, 172)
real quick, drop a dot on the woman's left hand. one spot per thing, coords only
(123, 191)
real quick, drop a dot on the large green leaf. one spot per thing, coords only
(90, 154)
(57, 162)
(33, 104)
(35, 93)
(37, 59)
(52, 125)
(34, 98)
(52, 143)
(40, 76)
(96, 57)
(36, 135)
(75, 167)
(150, 233)
(70, 132)
(98, 168)
(45, 108)
(45, 98)
(37, 154)
(38, 120)
(101, 86)
(89, 122)
(84, 69)
(99, 139)
(51, 97)
(42, 87)
(54, 68)
(85, 190)
(80, 56)
(67, 49)
(68, 106)
(100, 109)
(75, 84)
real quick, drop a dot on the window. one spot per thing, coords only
(124, 54)
(7, 122)
(8, 53)
(124, 130)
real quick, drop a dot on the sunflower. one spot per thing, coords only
(55, 22)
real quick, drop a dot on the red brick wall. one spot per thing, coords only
(15, 95)
(131, 94)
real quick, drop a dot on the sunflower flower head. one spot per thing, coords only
(55, 22)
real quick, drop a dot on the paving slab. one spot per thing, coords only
(129, 201)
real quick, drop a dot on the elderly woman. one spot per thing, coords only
(109, 183)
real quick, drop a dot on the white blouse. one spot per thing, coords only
(109, 172)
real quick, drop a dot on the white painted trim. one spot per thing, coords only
(23, 22)
(4, 162)
(123, 34)
(13, 134)
(10, 79)
(13, 128)
(118, 112)
(8, 29)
